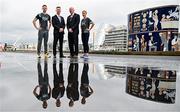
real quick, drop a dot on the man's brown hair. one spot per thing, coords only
(44, 6)
(58, 7)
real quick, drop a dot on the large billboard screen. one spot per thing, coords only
(154, 29)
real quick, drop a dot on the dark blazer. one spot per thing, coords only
(73, 22)
(57, 24)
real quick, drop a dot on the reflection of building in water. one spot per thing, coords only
(109, 71)
(154, 29)
(116, 39)
(115, 71)
(154, 85)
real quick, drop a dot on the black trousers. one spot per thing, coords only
(84, 76)
(42, 34)
(58, 37)
(73, 43)
(85, 40)
(43, 80)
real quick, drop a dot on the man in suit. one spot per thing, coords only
(59, 25)
(72, 91)
(73, 32)
(59, 88)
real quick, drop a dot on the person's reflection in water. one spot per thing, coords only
(43, 86)
(85, 88)
(58, 90)
(72, 87)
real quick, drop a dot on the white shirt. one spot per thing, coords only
(72, 15)
(59, 17)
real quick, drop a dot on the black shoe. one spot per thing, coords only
(39, 56)
(62, 56)
(75, 56)
(70, 56)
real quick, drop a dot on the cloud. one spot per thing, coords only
(16, 16)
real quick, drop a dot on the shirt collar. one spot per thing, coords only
(58, 15)
(72, 15)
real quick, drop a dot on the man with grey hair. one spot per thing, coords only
(73, 32)
(43, 30)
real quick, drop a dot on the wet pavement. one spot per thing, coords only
(100, 83)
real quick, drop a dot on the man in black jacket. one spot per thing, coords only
(59, 25)
(59, 88)
(72, 91)
(73, 32)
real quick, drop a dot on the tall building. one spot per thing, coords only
(100, 36)
(116, 39)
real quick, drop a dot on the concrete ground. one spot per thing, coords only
(108, 77)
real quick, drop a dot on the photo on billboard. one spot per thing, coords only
(154, 29)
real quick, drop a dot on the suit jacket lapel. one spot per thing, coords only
(72, 18)
(58, 19)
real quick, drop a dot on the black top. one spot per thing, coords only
(43, 95)
(58, 92)
(73, 92)
(84, 90)
(43, 20)
(73, 22)
(85, 23)
(58, 23)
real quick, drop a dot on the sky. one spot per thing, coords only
(16, 15)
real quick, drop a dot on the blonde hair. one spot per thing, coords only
(84, 11)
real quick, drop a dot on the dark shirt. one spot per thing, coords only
(43, 95)
(72, 92)
(85, 23)
(43, 20)
(85, 91)
(58, 92)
